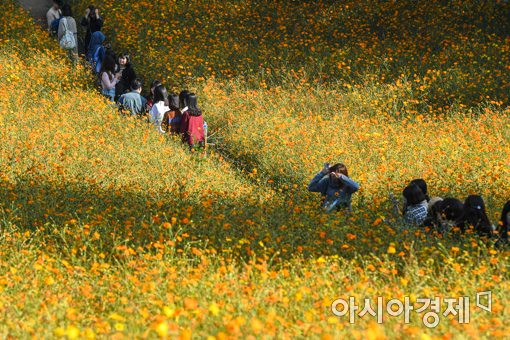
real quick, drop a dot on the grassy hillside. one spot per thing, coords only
(110, 230)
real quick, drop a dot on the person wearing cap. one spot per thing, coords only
(335, 185)
(475, 215)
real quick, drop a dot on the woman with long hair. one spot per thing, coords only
(172, 118)
(150, 98)
(127, 76)
(159, 107)
(93, 22)
(192, 122)
(108, 77)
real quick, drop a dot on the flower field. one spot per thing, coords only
(452, 51)
(110, 230)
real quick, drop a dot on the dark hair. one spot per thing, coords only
(193, 105)
(504, 221)
(422, 185)
(108, 66)
(155, 83)
(476, 216)
(413, 194)
(339, 167)
(192, 101)
(434, 210)
(136, 84)
(92, 13)
(66, 11)
(183, 98)
(451, 209)
(126, 56)
(173, 101)
(160, 94)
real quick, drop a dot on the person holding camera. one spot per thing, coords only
(335, 185)
(93, 22)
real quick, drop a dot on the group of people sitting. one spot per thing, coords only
(169, 113)
(446, 214)
(418, 210)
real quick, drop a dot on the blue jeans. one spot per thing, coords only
(109, 93)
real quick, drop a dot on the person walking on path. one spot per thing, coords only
(192, 123)
(53, 16)
(93, 22)
(68, 23)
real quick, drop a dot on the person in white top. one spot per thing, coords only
(53, 14)
(159, 107)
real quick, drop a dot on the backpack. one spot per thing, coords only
(54, 25)
(97, 59)
(67, 42)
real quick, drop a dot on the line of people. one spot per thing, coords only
(60, 21)
(169, 113)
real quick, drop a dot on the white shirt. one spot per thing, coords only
(157, 112)
(51, 15)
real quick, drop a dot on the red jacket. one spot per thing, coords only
(192, 127)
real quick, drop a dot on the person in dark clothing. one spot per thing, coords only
(93, 22)
(127, 75)
(447, 214)
(503, 225)
(476, 216)
(172, 118)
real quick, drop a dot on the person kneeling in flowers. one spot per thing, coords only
(336, 187)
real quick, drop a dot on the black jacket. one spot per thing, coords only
(124, 85)
(93, 25)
